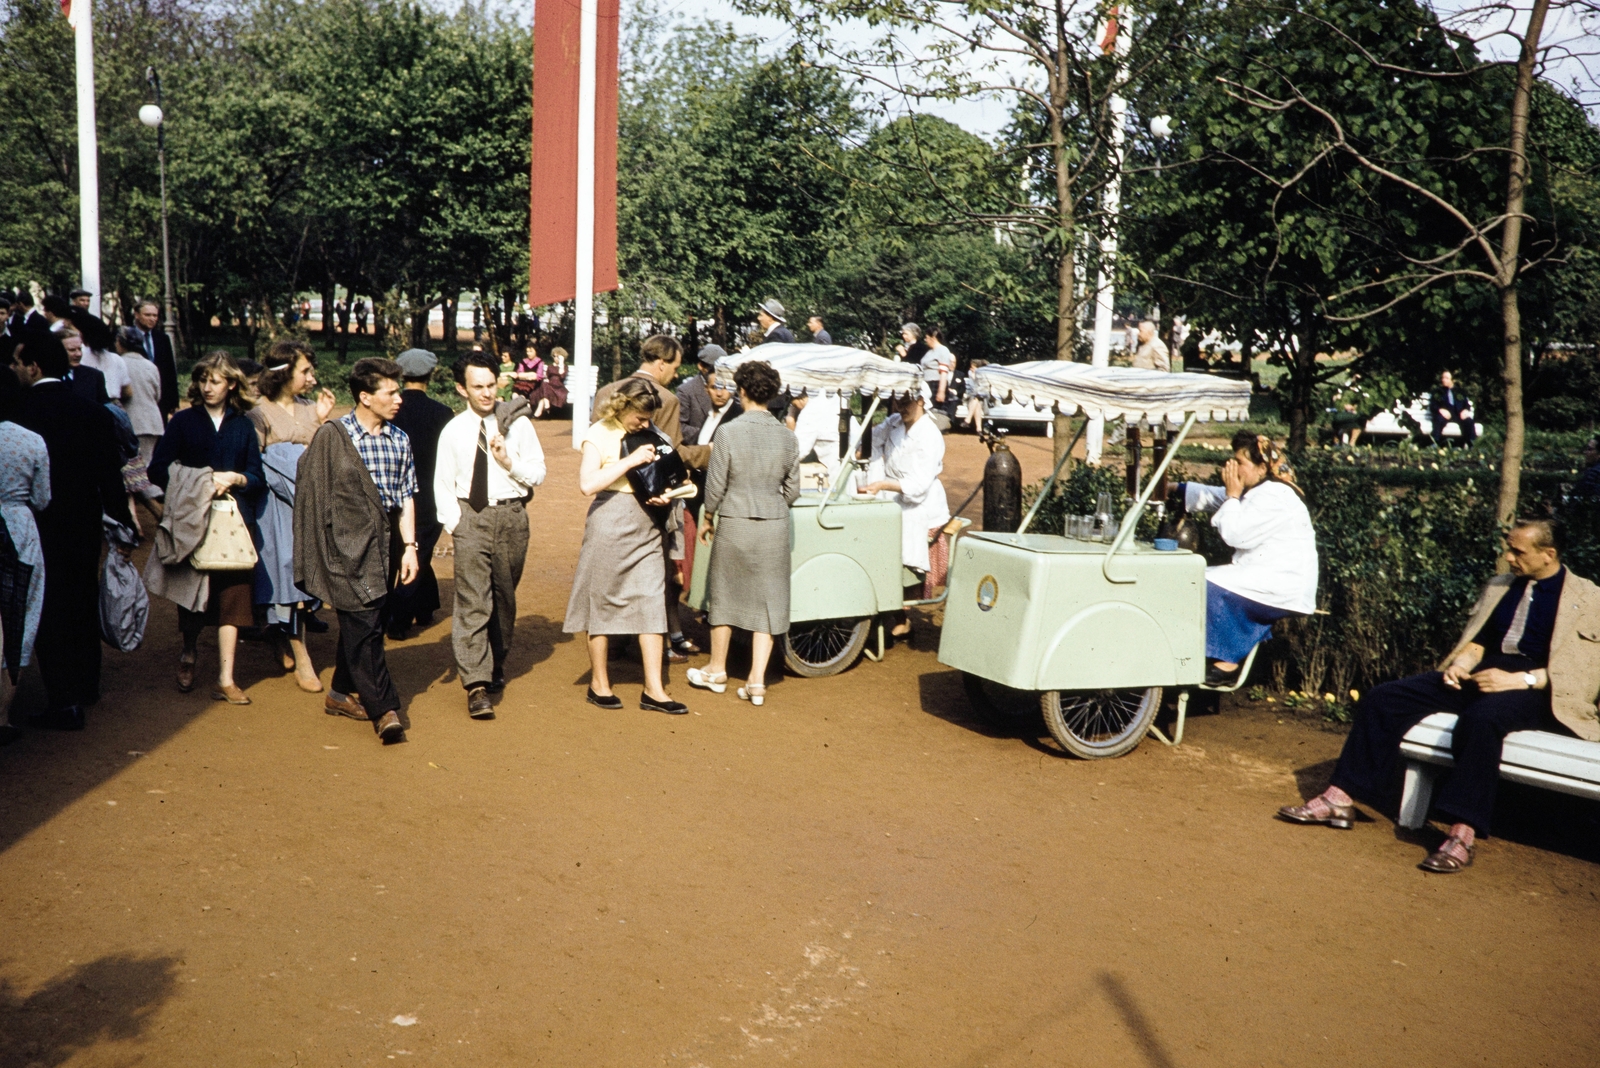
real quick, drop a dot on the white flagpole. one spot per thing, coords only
(1106, 282)
(583, 303)
(88, 154)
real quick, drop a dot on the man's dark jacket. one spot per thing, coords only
(89, 383)
(341, 531)
(694, 407)
(423, 419)
(168, 369)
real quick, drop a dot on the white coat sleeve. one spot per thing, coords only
(446, 505)
(1252, 520)
(921, 459)
(1200, 498)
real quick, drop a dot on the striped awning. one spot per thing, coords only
(828, 369)
(1138, 396)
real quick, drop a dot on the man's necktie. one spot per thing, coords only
(150, 345)
(479, 496)
(1511, 644)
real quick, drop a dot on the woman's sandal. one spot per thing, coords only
(1320, 810)
(705, 680)
(1444, 862)
(753, 692)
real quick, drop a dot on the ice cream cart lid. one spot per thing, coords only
(828, 369)
(1131, 393)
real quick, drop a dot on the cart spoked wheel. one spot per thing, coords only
(997, 703)
(824, 646)
(1092, 724)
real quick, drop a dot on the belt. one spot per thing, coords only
(466, 505)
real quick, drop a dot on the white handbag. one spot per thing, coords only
(227, 545)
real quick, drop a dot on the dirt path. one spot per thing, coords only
(857, 873)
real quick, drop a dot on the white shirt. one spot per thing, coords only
(817, 427)
(915, 459)
(714, 420)
(144, 404)
(1274, 545)
(113, 366)
(458, 448)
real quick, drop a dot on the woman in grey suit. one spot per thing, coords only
(753, 477)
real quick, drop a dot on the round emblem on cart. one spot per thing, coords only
(988, 593)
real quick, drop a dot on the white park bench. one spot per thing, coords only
(1537, 758)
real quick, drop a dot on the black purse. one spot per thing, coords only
(667, 471)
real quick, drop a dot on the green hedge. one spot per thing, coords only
(1404, 546)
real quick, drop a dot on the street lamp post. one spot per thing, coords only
(151, 115)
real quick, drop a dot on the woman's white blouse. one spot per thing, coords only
(1274, 545)
(817, 427)
(915, 459)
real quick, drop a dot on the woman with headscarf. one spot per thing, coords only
(1261, 514)
(621, 582)
(907, 460)
(213, 432)
(285, 421)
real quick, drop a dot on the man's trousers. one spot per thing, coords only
(68, 645)
(491, 547)
(361, 667)
(1370, 762)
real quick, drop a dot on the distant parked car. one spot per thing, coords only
(1387, 426)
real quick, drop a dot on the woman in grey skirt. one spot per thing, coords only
(753, 477)
(621, 583)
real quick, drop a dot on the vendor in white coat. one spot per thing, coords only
(1262, 515)
(907, 459)
(816, 427)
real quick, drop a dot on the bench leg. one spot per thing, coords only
(1177, 731)
(1417, 795)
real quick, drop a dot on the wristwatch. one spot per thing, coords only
(1530, 679)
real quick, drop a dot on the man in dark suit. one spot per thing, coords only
(22, 314)
(423, 419)
(85, 480)
(819, 332)
(769, 314)
(158, 350)
(87, 382)
(1449, 405)
(694, 399)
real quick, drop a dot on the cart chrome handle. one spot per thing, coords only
(1044, 491)
(849, 467)
(1130, 519)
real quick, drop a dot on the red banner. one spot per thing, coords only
(553, 214)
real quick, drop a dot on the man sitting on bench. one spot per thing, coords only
(1529, 659)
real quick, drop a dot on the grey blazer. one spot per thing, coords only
(755, 468)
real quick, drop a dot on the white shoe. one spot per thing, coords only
(705, 680)
(754, 693)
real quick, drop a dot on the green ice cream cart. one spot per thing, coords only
(844, 549)
(1087, 631)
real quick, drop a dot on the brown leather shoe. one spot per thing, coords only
(478, 704)
(390, 729)
(1319, 811)
(231, 694)
(350, 706)
(1445, 863)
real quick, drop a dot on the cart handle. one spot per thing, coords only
(1130, 518)
(849, 466)
(1044, 491)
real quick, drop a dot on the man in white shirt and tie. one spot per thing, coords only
(489, 461)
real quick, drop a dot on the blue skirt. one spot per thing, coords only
(1235, 625)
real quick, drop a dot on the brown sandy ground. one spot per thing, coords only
(858, 873)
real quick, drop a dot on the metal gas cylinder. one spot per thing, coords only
(1002, 489)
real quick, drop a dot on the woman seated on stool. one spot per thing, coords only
(907, 460)
(1261, 514)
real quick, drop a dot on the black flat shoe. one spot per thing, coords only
(669, 706)
(70, 718)
(497, 684)
(610, 701)
(315, 625)
(1217, 677)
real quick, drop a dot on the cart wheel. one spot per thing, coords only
(824, 646)
(997, 703)
(1099, 723)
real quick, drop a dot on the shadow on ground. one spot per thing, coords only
(112, 999)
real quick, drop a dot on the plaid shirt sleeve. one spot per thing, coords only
(408, 477)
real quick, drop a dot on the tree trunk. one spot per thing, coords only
(1510, 260)
(450, 304)
(1067, 264)
(1302, 388)
(330, 321)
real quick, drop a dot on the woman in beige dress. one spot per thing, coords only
(285, 421)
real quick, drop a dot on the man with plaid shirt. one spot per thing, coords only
(355, 537)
